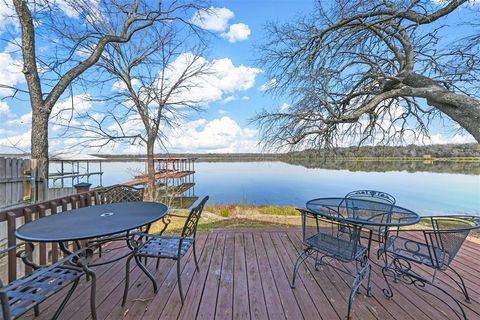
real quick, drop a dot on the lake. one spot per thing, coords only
(445, 188)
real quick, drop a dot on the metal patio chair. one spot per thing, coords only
(434, 245)
(323, 240)
(168, 247)
(378, 232)
(26, 293)
(119, 193)
(116, 194)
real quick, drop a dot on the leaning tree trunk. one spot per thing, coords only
(462, 109)
(151, 185)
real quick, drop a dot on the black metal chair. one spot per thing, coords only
(116, 194)
(26, 293)
(434, 244)
(335, 239)
(119, 193)
(168, 247)
(372, 194)
(378, 232)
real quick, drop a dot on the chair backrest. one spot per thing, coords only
(119, 193)
(190, 227)
(447, 236)
(373, 195)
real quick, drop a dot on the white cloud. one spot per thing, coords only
(284, 107)
(4, 109)
(121, 86)
(65, 113)
(446, 139)
(218, 135)
(7, 13)
(20, 141)
(268, 85)
(223, 77)
(229, 99)
(22, 120)
(237, 32)
(11, 73)
(222, 112)
(245, 98)
(80, 103)
(213, 19)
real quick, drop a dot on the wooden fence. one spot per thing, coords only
(13, 176)
(11, 219)
(21, 183)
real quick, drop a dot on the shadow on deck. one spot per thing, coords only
(245, 274)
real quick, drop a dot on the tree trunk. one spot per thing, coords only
(151, 186)
(462, 109)
(39, 138)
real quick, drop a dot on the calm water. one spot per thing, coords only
(279, 183)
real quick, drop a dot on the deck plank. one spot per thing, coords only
(258, 309)
(225, 287)
(241, 306)
(287, 296)
(209, 298)
(195, 292)
(272, 297)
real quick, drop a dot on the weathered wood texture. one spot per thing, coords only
(12, 180)
(245, 274)
(16, 183)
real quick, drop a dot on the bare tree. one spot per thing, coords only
(154, 75)
(76, 45)
(370, 71)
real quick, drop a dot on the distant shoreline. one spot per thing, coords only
(428, 153)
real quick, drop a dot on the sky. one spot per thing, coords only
(236, 92)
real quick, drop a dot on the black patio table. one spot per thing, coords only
(92, 222)
(95, 222)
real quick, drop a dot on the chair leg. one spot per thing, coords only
(36, 310)
(127, 280)
(64, 302)
(149, 275)
(301, 258)
(179, 282)
(460, 284)
(195, 257)
(158, 263)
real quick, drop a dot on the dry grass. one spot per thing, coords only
(249, 216)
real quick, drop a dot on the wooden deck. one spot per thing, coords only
(245, 274)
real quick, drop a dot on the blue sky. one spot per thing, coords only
(224, 126)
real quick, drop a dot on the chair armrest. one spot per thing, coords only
(73, 261)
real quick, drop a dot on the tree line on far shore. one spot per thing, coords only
(468, 150)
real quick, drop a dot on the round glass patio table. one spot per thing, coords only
(363, 212)
(92, 222)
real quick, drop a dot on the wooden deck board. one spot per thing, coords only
(246, 274)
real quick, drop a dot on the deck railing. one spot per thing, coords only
(11, 219)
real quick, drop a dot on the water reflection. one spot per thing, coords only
(471, 168)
